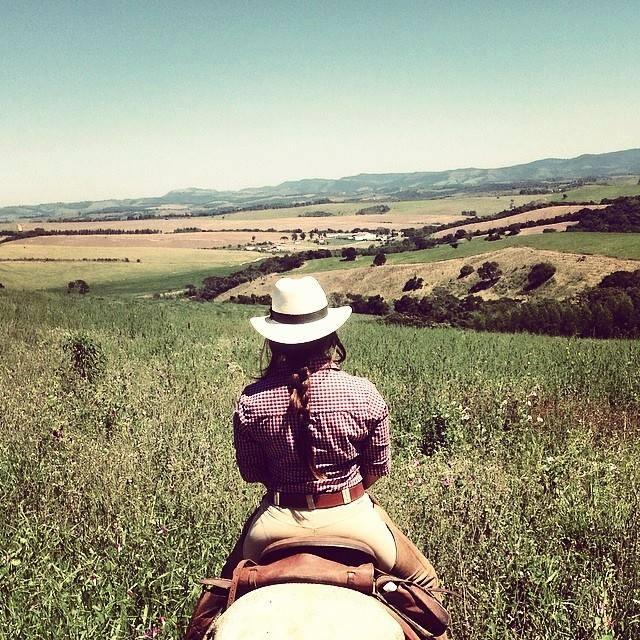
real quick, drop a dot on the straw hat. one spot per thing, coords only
(299, 313)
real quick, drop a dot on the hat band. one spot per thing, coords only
(300, 318)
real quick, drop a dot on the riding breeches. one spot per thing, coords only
(360, 520)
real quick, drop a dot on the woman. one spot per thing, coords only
(316, 437)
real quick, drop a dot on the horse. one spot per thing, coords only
(308, 612)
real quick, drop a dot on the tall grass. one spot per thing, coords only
(515, 467)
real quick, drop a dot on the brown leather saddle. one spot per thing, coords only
(330, 560)
(335, 548)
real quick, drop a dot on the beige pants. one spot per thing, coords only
(357, 520)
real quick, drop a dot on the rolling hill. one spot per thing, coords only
(398, 186)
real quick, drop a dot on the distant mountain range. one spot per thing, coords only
(391, 186)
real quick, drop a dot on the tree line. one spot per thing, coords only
(609, 310)
(213, 286)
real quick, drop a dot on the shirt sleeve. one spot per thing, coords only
(250, 456)
(375, 458)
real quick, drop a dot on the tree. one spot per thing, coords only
(489, 271)
(78, 286)
(539, 274)
(303, 235)
(1, 285)
(465, 270)
(294, 236)
(421, 242)
(413, 284)
(349, 254)
(379, 259)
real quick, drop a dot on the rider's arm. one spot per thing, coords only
(250, 456)
(375, 456)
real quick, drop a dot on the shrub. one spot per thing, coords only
(349, 254)
(85, 356)
(376, 209)
(539, 274)
(379, 259)
(371, 305)
(489, 271)
(413, 284)
(465, 270)
(78, 286)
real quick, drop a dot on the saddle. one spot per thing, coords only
(335, 561)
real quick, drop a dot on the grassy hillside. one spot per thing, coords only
(453, 205)
(573, 274)
(597, 192)
(514, 467)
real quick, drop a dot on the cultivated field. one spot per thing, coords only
(402, 214)
(574, 274)
(203, 240)
(44, 267)
(514, 467)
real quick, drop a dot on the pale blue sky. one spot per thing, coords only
(117, 99)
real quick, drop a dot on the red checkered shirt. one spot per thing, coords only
(349, 431)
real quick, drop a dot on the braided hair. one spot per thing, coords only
(294, 359)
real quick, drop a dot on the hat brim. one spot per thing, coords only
(301, 333)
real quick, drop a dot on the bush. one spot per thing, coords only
(465, 270)
(371, 305)
(539, 274)
(379, 259)
(489, 271)
(85, 356)
(78, 286)
(349, 254)
(413, 284)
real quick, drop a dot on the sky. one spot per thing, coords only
(127, 99)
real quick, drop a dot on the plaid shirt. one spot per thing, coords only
(349, 431)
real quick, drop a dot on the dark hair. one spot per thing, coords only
(294, 359)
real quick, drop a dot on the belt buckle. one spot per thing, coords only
(311, 503)
(346, 495)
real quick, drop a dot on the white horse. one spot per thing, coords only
(306, 612)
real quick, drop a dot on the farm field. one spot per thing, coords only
(514, 467)
(203, 240)
(537, 214)
(159, 270)
(597, 192)
(574, 273)
(402, 214)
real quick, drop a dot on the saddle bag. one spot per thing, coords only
(417, 606)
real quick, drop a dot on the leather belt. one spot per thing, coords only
(315, 501)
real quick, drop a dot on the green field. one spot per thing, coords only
(515, 468)
(597, 192)
(617, 245)
(160, 270)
